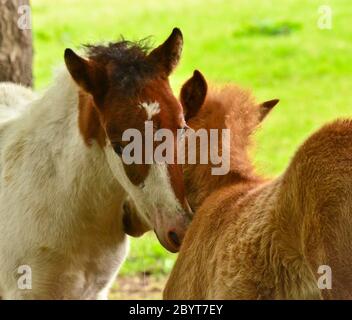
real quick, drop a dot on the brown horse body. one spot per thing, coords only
(253, 238)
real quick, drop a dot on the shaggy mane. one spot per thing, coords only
(228, 107)
(236, 110)
(231, 107)
(128, 60)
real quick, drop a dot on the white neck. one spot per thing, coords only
(57, 155)
(60, 209)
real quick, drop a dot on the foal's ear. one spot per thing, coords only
(87, 74)
(168, 54)
(193, 94)
(266, 107)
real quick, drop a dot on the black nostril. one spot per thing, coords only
(174, 238)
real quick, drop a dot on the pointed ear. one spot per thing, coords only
(193, 94)
(87, 74)
(168, 54)
(266, 107)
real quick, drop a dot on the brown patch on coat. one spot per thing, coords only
(89, 122)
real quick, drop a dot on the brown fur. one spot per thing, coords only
(89, 123)
(257, 239)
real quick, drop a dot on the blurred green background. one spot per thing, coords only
(273, 47)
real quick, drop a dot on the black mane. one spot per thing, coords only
(128, 60)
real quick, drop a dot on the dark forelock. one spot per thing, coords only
(128, 59)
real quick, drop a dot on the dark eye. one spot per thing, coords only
(118, 149)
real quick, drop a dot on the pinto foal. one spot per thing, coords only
(253, 238)
(63, 180)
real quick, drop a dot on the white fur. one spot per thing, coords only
(59, 203)
(156, 191)
(151, 109)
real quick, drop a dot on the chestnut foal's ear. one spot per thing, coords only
(168, 54)
(87, 74)
(193, 94)
(266, 107)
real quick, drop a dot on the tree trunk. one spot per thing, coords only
(16, 51)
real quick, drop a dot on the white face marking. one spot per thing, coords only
(152, 108)
(156, 192)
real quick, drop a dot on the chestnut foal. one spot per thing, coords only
(63, 180)
(253, 238)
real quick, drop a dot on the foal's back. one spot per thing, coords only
(317, 189)
(290, 228)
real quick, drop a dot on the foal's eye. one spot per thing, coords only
(118, 149)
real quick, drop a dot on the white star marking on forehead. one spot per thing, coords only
(152, 108)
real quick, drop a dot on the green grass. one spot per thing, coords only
(273, 47)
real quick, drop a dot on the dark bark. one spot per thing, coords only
(16, 51)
